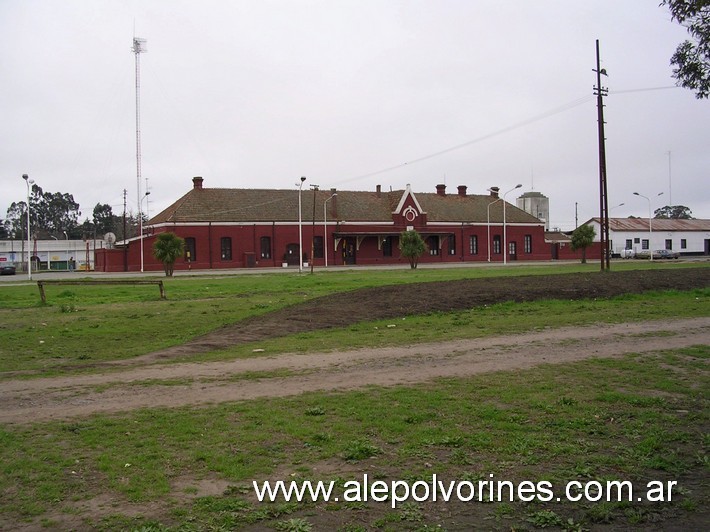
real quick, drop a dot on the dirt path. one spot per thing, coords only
(204, 383)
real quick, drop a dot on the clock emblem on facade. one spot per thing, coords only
(410, 213)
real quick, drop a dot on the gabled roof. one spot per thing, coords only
(281, 205)
(659, 224)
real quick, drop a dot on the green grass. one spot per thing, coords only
(85, 325)
(597, 419)
(638, 418)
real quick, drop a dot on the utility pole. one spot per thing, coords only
(125, 245)
(600, 92)
(313, 231)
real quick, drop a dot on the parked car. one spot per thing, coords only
(7, 269)
(628, 254)
(665, 254)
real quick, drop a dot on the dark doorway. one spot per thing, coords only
(349, 251)
(513, 251)
(291, 255)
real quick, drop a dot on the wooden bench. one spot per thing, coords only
(40, 284)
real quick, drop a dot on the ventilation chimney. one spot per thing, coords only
(197, 183)
(494, 191)
(462, 190)
(334, 203)
(441, 190)
(379, 190)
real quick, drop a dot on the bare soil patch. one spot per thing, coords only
(386, 302)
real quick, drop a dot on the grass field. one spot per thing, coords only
(639, 418)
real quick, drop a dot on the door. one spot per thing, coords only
(512, 251)
(291, 255)
(349, 251)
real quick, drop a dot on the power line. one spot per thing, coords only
(542, 116)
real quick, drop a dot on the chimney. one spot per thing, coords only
(494, 191)
(197, 183)
(379, 190)
(462, 190)
(334, 203)
(441, 190)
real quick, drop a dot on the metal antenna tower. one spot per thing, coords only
(139, 47)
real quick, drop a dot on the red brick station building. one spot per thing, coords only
(245, 228)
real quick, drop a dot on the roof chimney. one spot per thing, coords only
(334, 202)
(197, 183)
(379, 190)
(462, 190)
(441, 190)
(494, 191)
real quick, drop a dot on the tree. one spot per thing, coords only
(582, 238)
(104, 219)
(412, 247)
(51, 214)
(167, 248)
(675, 212)
(691, 60)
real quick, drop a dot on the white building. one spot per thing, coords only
(688, 237)
(51, 254)
(536, 204)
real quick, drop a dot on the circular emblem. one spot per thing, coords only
(409, 214)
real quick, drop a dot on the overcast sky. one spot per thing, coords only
(350, 94)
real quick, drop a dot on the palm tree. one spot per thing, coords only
(168, 248)
(411, 246)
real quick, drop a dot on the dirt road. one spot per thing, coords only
(172, 385)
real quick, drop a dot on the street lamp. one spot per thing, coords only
(325, 227)
(29, 182)
(140, 224)
(650, 221)
(489, 227)
(505, 241)
(300, 228)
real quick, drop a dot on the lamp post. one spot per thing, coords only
(28, 181)
(488, 245)
(140, 223)
(325, 227)
(300, 228)
(505, 240)
(650, 222)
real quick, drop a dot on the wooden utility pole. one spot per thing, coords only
(600, 92)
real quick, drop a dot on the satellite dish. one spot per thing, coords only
(110, 238)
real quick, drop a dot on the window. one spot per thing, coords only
(637, 240)
(669, 243)
(452, 244)
(629, 243)
(644, 244)
(225, 245)
(318, 247)
(527, 244)
(387, 246)
(683, 243)
(190, 249)
(265, 247)
(432, 243)
(473, 245)
(496, 244)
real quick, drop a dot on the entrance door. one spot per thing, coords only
(349, 251)
(555, 251)
(707, 246)
(291, 256)
(512, 251)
